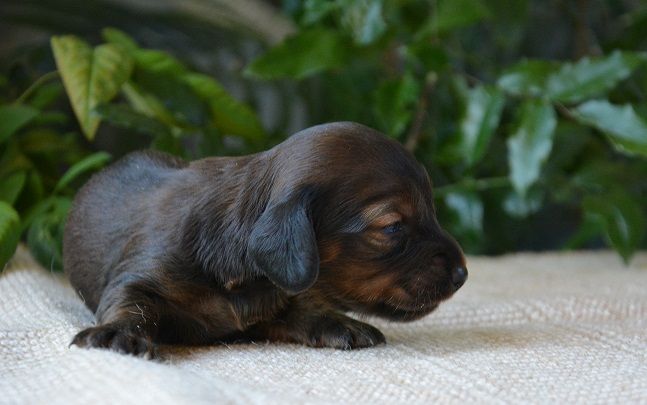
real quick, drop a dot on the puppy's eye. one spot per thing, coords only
(393, 228)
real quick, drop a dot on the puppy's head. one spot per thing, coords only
(351, 214)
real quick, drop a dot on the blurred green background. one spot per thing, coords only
(530, 115)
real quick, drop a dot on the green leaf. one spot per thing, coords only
(589, 228)
(9, 232)
(91, 162)
(11, 186)
(626, 129)
(530, 145)
(164, 96)
(591, 77)
(394, 104)
(40, 208)
(316, 10)
(90, 76)
(453, 14)
(158, 62)
(13, 117)
(33, 191)
(599, 175)
(47, 118)
(148, 104)
(151, 60)
(468, 208)
(44, 141)
(302, 55)
(570, 82)
(115, 36)
(527, 78)
(126, 117)
(520, 206)
(187, 108)
(229, 115)
(433, 57)
(363, 18)
(13, 159)
(46, 95)
(483, 107)
(45, 233)
(622, 218)
(169, 143)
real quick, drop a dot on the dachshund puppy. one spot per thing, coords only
(276, 245)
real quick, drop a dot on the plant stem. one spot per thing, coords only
(35, 85)
(421, 111)
(564, 111)
(473, 184)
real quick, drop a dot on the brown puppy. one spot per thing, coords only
(275, 245)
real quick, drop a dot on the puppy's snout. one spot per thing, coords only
(459, 276)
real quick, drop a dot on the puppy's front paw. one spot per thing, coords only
(344, 333)
(115, 338)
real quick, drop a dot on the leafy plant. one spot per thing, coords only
(531, 120)
(140, 90)
(33, 199)
(463, 113)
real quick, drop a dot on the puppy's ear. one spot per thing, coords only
(283, 244)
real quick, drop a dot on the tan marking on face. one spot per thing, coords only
(362, 284)
(383, 288)
(374, 286)
(387, 219)
(329, 251)
(387, 212)
(378, 209)
(380, 218)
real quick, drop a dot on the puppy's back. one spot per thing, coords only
(106, 213)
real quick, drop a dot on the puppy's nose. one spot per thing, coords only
(459, 275)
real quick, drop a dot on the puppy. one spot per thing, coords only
(276, 245)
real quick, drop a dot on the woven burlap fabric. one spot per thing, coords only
(529, 328)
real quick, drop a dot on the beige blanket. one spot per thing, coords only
(546, 328)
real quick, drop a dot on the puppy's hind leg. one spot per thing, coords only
(127, 318)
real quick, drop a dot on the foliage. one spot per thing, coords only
(33, 197)
(145, 91)
(427, 74)
(534, 137)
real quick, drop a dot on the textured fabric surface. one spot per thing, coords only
(566, 328)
